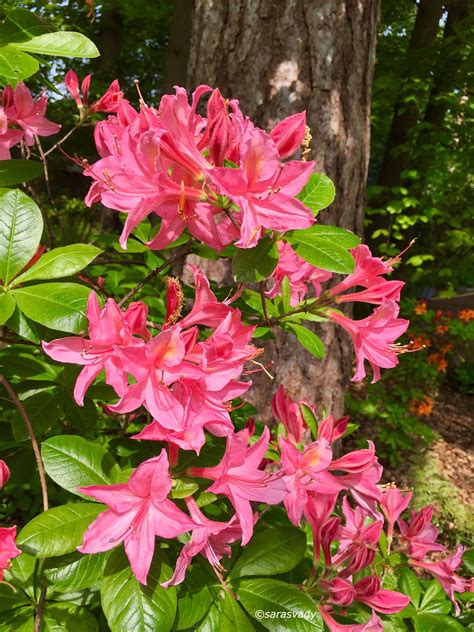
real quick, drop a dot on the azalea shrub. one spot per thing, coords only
(140, 490)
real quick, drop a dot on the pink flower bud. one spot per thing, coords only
(4, 473)
(289, 133)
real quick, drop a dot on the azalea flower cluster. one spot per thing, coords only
(108, 102)
(187, 382)
(219, 176)
(373, 337)
(22, 118)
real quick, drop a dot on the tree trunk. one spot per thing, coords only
(423, 45)
(279, 58)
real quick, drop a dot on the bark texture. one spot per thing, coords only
(279, 58)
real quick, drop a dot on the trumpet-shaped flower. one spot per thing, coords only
(443, 571)
(21, 109)
(138, 512)
(420, 535)
(373, 625)
(288, 412)
(209, 538)
(368, 590)
(109, 329)
(239, 477)
(373, 338)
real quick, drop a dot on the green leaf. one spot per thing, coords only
(286, 294)
(308, 339)
(128, 605)
(21, 25)
(310, 419)
(410, 585)
(292, 610)
(18, 620)
(436, 623)
(233, 618)
(318, 193)
(73, 462)
(16, 171)
(251, 265)
(16, 65)
(276, 550)
(195, 597)
(44, 409)
(183, 487)
(59, 306)
(21, 573)
(24, 327)
(62, 617)
(18, 361)
(468, 560)
(74, 571)
(11, 598)
(59, 43)
(7, 307)
(434, 600)
(21, 225)
(321, 251)
(339, 236)
(60, 262)
(59, 530)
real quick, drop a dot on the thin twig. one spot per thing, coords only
(264, 302)
(228, 212)
(61, 141)
(40, 608)
(154, 273)
(34, 442)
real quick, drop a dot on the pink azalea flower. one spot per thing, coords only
(21, 109)
(109, 329)
(420, 535)
(110, 100)
(288, 412)
(289, 133)
(4, 473)
(367, 270)
(264, 189)
(331, 429)
(138, 512)
(301, 469)
(443, 571)
(363, 487)
(368, 590)
(239, 478)
(373, 338)
(8, 548)
(393, 504)
(340, 591)
(299, 273)
(373, 625)
(209, 538)
(206, 310)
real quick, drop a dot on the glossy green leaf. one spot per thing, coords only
(74, 571)
(11, 598)
(262, 597)
(318, 193)
(20, 573)
(60, 262)
(233, 618)
(409, 585)
(60, 44)
(16, 65)
(24, 327)
(128, 605)
(44, 408)
(7, 307)
(59, 306)
(73, 462)
(195, 597)
(339, 236)
(251, 265)
(67, 617)
(274, 551)
(21, 25)
(59, 530)
(310, 419)
(322, 253)
(21, 225)
(468, 560)
(437, 623)
(20, 361)
(18, 620)
(308, 339)
(17, 171)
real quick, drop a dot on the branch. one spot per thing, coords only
(264, 302)
(154, 273)
(61, 141)
(34, 442)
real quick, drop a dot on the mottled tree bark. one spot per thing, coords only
(279, 58)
